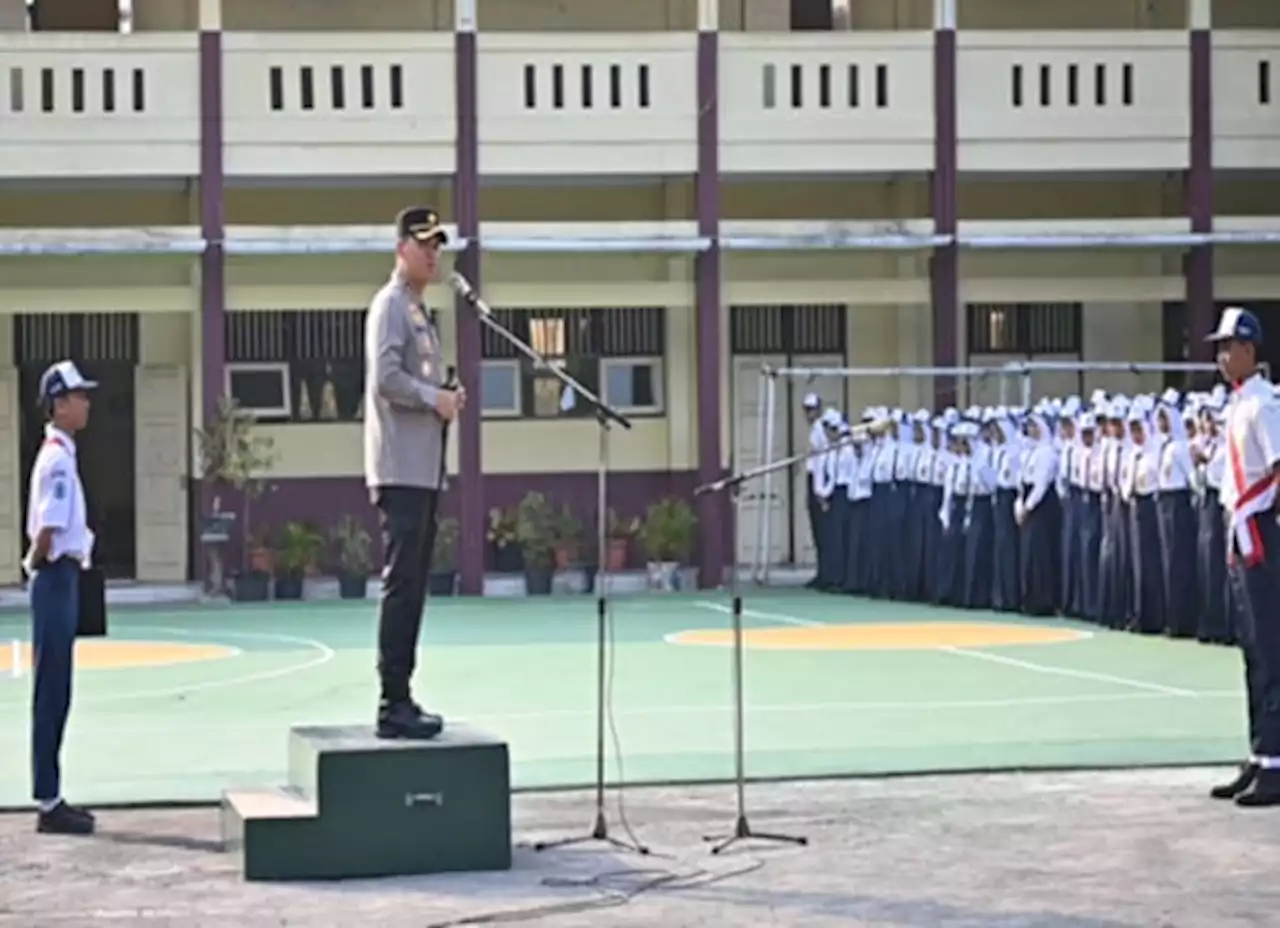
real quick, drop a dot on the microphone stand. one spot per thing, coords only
(605, 417)
(742, 830)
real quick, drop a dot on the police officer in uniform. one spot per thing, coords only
(407, 407)
(1249, 496)
(61, 544)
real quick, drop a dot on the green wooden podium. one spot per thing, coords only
(358, 806)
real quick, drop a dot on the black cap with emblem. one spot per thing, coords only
(420, 223)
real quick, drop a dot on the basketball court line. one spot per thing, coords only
(324, 655)
(1047, 669)
(659, 711)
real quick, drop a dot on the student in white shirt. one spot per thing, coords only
(860, 537)
(824, 487)
(979, 522)
(1210, 456)
(1146, 557)
(846, 471)
(954, 500)
(884, 518)
(1249, 495)
(943, 459)
(1006, 593)
(1071, 497)
(1086, 483)
(61, 545)
(817, 442)
(1115, 581)
(1177, 519)
(1037, 513)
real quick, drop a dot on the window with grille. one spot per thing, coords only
(43, 338)
(614, 352)
(297, 366)
(789, 330)
(1025, 328)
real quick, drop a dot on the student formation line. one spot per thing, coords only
(1108, 511)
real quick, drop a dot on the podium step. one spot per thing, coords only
(358, 806)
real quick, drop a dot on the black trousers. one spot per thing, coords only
(407, 516)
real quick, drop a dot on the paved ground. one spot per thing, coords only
(1104, 850)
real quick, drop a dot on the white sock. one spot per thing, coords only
(48, 805)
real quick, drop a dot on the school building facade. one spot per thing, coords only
(663, 195)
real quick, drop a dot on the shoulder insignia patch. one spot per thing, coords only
(60, 489)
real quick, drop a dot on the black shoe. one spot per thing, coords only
(64, 819)
(1244, 779)
(1265, 792)
(407, 720)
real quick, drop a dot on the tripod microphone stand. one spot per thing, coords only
(606, 417)
(742, 830)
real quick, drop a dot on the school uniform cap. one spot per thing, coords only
(420, 223)
(812, 401)
(63, 378)
(1237, 324)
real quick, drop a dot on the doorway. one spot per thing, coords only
(106, 448)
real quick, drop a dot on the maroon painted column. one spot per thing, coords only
(466, 204)
(944, 265)
(213, 296)
(714, 511)
(1198, 265)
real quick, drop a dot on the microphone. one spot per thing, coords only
(463, 288)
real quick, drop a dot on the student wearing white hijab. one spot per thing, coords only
(824, 478)
(860, 536)
(881, 513)
(1177, 519)
(943, 458)
(1210, 456)
(924, 515)
(1115, 579)
(1038, 515)
(951, 546)
(901, 524)
(979, 527)
(1071, 495)
(1006, 592)
(1144, 525)
(1086, 478)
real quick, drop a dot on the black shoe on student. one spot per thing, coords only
(65, 819)
(407, 720)
(1265, 791)
(1244, 779)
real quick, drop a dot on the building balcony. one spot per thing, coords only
(378, 104)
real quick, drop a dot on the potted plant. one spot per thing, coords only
(566, 538)
(535, 528)
(667, 536)
(620, 532)
(299, 548)
(504, 541)
(234, 456)
(354, 559)
(444, 559)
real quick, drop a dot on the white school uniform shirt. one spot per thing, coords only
(1097, 466)
(1253, 449)
(846, 467)
(1215, 449)
(861, 488)
(1176, 469)
(982, 477)
(904, 466)
(923, 473)
(1145, 466)
(824, 478)
(1081, 458)
(1039, 469)
(941, 466)
(817, 441)
(886, 459)
(56, 499)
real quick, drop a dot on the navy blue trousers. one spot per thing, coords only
(1090, 543)
(1148, 565)
(831, 539)
(931, 536)
(1040, 543)
(1006, 595)
(977, 554)
(855, 562)
(55, 600)
(1069, 548)
(950, 578)
(1211, 571)
(1114, 556)
(1256, 592)
(880, 551)
(1178, 530)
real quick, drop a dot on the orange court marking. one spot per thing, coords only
(120, 655)
(895, 636)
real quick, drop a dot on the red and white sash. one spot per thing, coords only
(1253, 500)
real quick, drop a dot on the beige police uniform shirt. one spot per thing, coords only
(404, 366)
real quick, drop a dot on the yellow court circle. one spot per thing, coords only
(94, 654)
(894, 636)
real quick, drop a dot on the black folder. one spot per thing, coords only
(92, 615)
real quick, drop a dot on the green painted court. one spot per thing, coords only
(179, 704)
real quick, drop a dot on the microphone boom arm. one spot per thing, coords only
(733, 481)
(606, 413)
